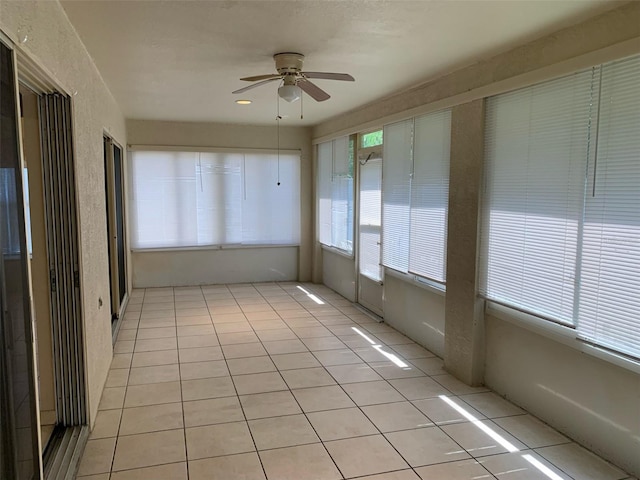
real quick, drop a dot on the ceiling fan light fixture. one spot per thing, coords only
(243, 102)
(290, 93)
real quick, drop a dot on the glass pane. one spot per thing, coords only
(117, 173)
(342, 195)
(372, 139)
(396, 194)
(370, 218)
(536, 151)
(16, 360)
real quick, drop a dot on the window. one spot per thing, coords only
(561, 220)
(370, 218)
(609, 293)
(396, 194)
(430, 196)
(186, 199)
(536, 149)
(371, 139)
(416, 194)
(10, 234)
(335, 188)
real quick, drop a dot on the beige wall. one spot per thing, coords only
(610, 28)
(339, 273)
(415, 310)
(54, 45)
(591, 400)
(185, 134)
(214, 266)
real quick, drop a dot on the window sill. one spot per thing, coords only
(559, 333)
(337, 251)
(208, 247)
(413, 280)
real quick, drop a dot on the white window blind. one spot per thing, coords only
(396, 194)
(325, 172)
(335, 193)
(610, 275)
(185, 199)
(10, 231)
(370, 218)
(342, 196)
(430, 195)
(415, 195)
(271, 215)
(537, 147)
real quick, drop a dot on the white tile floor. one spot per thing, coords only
(260, 381)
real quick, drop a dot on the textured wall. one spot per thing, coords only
(54, 45)
(612, 27)
(463, 312)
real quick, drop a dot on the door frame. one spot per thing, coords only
(118, 301)
(362, 155)
(32, 369)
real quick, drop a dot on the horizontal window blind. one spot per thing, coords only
(325, 172)
(370, 218)
(186, 199)
(430, 195)
(271, 213)
(610, 276)
(9, 232)
(536, 152)
(397, 168)
(415, 195)
(342, 196)
(335, 193)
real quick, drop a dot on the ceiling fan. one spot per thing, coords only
(289, 67)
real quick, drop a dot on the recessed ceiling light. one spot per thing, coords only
(243, 102)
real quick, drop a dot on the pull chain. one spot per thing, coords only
(278, 118)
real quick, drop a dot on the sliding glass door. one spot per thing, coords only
(114, 190)
(19, 456)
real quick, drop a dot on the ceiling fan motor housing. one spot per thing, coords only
(288, 62)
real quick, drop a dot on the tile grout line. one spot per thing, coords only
(307, 418)
(184, 423)
(253, 440)
(372, 423)
(126, 387)
(321, 366)
(313, 354)
(339, 385)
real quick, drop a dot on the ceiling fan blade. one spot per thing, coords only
(313, 90)
(261, 77)
(256, 85)
(330, 76)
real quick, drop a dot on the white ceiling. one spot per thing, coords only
(180, 60)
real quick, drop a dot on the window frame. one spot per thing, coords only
(131, 149)
(409, 275)
(548, 326)
(352, 149)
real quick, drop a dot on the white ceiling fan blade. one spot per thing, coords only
(313, 90)
(330, 76)
(261, 77)
(257, 85)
